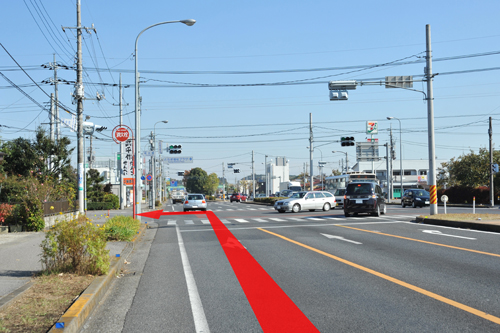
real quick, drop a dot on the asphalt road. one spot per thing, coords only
(355, 274)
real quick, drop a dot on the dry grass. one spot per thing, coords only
(465, 217)
(42, 305)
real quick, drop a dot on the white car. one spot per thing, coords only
(306, 200)
(195, 202)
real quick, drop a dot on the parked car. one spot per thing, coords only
(195, 201)
(238, 197)
(306, 200)
(339, 196)
(286, 193)
(364, 197)
(415, 198)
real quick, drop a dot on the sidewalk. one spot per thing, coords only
(20, 255)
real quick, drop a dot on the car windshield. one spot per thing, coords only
(195, 197)
(422, 193)
(340, 191)
(359, 189)
(298, 195)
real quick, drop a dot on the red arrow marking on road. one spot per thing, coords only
(274, 310)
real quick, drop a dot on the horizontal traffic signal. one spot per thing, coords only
(175, 149)
(347, 141)
(236, 170)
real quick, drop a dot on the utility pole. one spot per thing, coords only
(91, 153)
(253, 175)
(79, 96)
(122, 186)
(265, 174)
(56, 92)
(393, 153)
(492, 193)
(153, 166)
(387, 157)
(431, 180)
(52, 116)
(311, 139)
(223, 183)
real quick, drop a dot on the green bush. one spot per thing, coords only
(100, 205)
(121, 228)
(269, 201)
(75, 246)
(113, 199)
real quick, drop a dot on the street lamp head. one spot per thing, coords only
(189, 22)
(389, 118)
(164, 121)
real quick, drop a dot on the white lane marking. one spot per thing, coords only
(276, 219)
(437, 232)
(205, 221)
(225, 221)
(241, 220)
(340, 238)
(172, 222)
(295, 219)
(314, 218)
(189, 221)
(260, 220)
(200, 320)
(229, 209)
(264, 208)
(251, 209)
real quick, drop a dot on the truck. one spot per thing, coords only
(286, 188)
(177, 195)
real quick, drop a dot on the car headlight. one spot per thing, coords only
(285, 203)
(418, 199)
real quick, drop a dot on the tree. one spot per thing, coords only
(24, 156)
(470, 170)
(212, 184)
(196, 181)
(95, 190)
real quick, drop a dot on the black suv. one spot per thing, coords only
(364, 197)
(415, 198)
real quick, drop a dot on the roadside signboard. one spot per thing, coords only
(372, 127)
(149, 178)
(127, 159)
(121, 133)
(184, 159)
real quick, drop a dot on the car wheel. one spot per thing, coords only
(296, 208)
(413, 204)
(377, 213)
(402, 204)
(185, 210)
(385, 209)
(326, 207)
(346, 214)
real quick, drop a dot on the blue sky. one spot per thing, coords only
(224, 124)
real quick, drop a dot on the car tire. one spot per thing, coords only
(312, 210)
(384, 211)
(185, 210)
(402, 204)
(377, 213)
(346, 214)
(296, 208)
(326, 207)
(413, 204)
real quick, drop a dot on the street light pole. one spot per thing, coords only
(137, 166)
(401, 172)
(346, 161)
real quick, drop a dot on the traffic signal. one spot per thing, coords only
(494, 168)
(175, 149)
(180, 173)
(347, 141)
(236, 170)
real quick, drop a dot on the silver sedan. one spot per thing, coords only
(306, 201)
(195, 202)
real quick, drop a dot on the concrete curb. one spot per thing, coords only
(74, 318)
(13, 296)
(460, 224)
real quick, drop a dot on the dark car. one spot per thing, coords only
(415, 198)
(364, 197)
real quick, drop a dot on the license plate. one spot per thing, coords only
(427, 203)
(195, 206)
(279, 207)
(359, 201)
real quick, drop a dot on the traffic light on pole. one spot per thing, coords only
(236, 170)
(180, 173)
(175, 149)
(347, 141)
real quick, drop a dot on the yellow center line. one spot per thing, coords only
(421, 241)
(448, 301)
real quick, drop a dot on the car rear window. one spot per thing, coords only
(359, 189)
(329, 195)
(195, 197)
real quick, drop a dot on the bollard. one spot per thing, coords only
(445, 207)
(473, 205)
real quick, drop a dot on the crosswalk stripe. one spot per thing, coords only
(229, 209)
(294, 218)
(241, 220)
(314, 218)
(172, 222)
(260, 220)
(205, 221)
(225, 221)
(189, 221)
(276, 219)
(251, 209)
